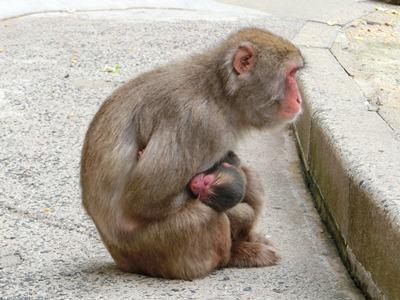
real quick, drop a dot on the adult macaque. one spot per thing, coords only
(187, 115)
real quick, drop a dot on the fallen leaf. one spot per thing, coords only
(73, 60)
(380, 8)
(112, 69)
(46, 210)
(1, 50)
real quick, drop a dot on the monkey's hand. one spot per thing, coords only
(140, 154)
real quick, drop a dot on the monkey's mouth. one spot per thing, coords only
(290, 115)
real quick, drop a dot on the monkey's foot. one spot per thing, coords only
(260, 238)
(253, 254)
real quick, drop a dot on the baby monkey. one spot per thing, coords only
(222, 186)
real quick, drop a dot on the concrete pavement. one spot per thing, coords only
(368, 49)
(52, 81)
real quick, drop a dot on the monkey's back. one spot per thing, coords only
(127, 120)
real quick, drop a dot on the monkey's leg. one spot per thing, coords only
(241, 217)
(254, 191)
(244, 215)
(186, 245)
(249, 248)
(254, 197)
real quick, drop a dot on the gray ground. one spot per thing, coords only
(51, 84)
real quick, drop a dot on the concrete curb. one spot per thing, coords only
(348, 154)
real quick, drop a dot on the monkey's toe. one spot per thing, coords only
(270, 256)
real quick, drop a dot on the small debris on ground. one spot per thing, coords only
(112, 69)
(46, 210)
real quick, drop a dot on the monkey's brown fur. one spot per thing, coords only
(187, 115)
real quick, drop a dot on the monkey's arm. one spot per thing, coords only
(156, 187)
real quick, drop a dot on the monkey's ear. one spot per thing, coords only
(243, 60)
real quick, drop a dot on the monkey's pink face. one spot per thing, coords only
(290, 106)
(201, 184)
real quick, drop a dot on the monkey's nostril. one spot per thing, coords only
(195, 183)
(298, 100)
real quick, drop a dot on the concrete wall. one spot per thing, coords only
(351, 161)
